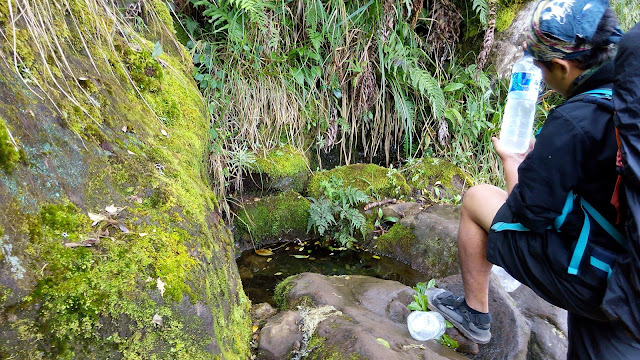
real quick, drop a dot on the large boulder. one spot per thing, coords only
(437, 179)
(425, 238)
(271, 219)
(346, 317)
(372, 179)
(510, 331)
(111, 242)
(280, 169)
(507, 46)
(548, 325)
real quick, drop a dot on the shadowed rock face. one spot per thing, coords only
(109, 235)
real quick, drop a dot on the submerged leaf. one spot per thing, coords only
(264, 252)
(301, 256)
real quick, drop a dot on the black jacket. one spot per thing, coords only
(576, 150)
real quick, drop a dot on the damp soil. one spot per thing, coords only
(260, 274)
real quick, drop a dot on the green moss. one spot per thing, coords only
(427, 173)
(281, 291)
(99, 301)
(144, 70)
(4, 13)
(161, 9)
(398, 236)
(505, 16)
(283, 161)
(9, 155)
(323, 351)
(63, 220)
(374, 180)
(274, 217)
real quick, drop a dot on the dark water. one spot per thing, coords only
(260, 275)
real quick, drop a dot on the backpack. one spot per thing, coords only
(622, 297)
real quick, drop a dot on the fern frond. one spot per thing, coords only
(481, 8)
(320, 215)
(428, 86)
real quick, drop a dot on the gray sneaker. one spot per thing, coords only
(475, 326)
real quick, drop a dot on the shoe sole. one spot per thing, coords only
(455, 323)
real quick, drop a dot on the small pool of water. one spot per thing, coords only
(260, 274)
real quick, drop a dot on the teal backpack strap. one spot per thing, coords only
(501, 226)
(583, 239)
(566, 209)
(606, 225)
(601, 93)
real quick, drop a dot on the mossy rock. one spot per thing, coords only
(374, 180)
(398, 236)
(133, 135)
(506, 14)
(439, 179)
(272, 218)
(281, 169)
(425, 240)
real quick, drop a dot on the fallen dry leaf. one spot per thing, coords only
(269, 259)
(124, 129)
(143, 234)
(113, 210)
(136, 198)
(161, 285)
(264, 252)
(96, 218)
(130, 152)
(123, 228)
(157, 320)
(75, 245)
(255, 328)
(164, 132)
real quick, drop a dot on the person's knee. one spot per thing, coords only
(481, 203)
(476, 195)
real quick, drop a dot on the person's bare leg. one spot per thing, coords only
(479, 207)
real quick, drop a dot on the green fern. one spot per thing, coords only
(481, 8)
(428, 86)
(351, 196)
(335, 215)
(320, 215)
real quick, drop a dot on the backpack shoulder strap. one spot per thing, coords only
(600, 96)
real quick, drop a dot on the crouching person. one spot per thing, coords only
(551, 229)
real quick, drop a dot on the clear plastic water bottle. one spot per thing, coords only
(507, 281)
(517, 121)
(426, 325)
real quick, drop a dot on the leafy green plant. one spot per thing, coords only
(421, 303)
(334, 215)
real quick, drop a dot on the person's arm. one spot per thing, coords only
(510, 163)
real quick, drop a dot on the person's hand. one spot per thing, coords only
(508, 156)
(510, 162)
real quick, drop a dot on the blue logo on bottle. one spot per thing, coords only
(523, 81)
